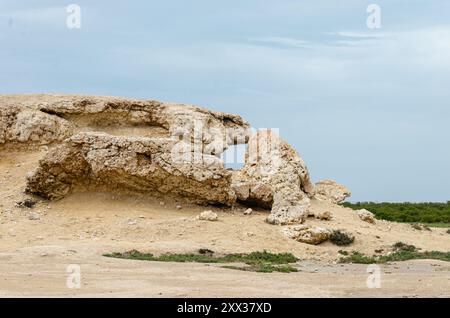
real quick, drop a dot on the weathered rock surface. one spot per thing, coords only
(274, 176)
(140, 164)
(18, 124)
(366, 216)
(331, 191)
(307, 234)
(153, 147)
(45, 119)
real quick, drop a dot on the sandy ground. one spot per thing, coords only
(35, 254)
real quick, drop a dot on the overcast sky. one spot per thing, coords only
(369, 108)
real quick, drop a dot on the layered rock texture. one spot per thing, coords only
(152, 148)
(46, 119)
(139, 164)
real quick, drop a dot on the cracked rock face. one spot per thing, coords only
(274, 176)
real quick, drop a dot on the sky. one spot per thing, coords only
(367, 107)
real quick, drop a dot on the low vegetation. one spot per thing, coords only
(264, 262)
(341, 238)
(401, 252)
(437, 213)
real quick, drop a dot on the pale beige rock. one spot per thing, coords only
(307, 234)
(248, 211)
(366, 216)
(48, 118)
(22, 125)
(208, 216)
(274, 176)
(331, 191)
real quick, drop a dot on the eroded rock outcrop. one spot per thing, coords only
(153, 147)
(46, 119)
(139, 164)
(274, 176)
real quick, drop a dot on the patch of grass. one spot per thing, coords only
(358, 258)
(402, 252)
(341, 238)
(448, 231)
(428, 212)
(264, 268)
(264, 262)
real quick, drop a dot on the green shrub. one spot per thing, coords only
(341, 238)
(400, 246)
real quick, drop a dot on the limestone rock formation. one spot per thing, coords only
(274, 176)
(331, 191)
(366, 216)
(307, 234)
(139, 164)
(51, 118)
(153, 147)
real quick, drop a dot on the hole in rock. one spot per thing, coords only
(234, 156)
